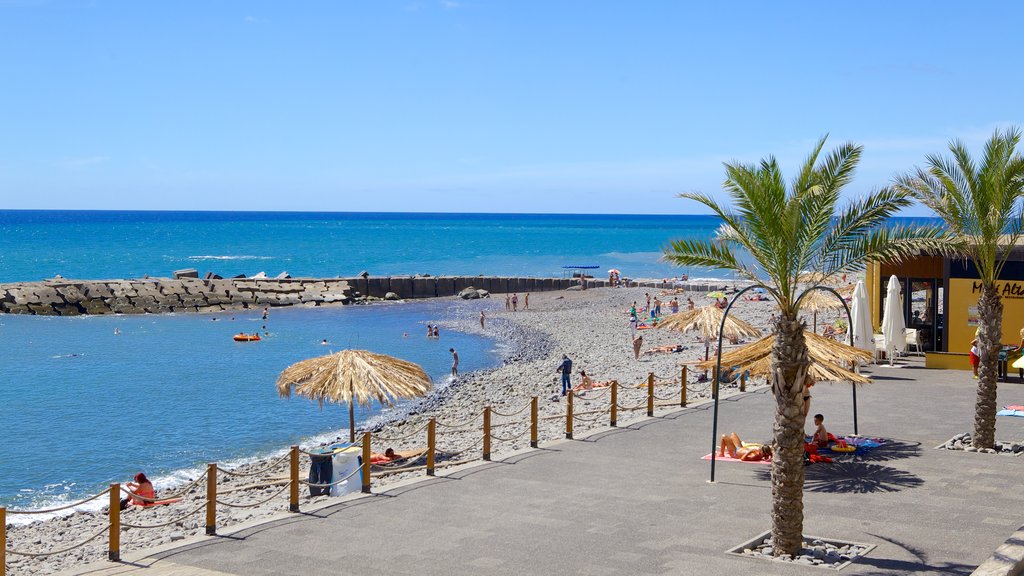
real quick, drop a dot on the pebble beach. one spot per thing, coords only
(591, 327)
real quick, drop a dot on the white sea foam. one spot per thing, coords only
(241, 257)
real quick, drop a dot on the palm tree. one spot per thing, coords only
(981, 206)
(787, 231)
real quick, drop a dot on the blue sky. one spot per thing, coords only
(494, 106)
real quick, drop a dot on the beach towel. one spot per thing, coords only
(862, 445)
(728, 458)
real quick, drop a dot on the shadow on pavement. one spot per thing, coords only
(892, 449)
(853, 478)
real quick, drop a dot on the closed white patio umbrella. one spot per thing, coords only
(861, 332)
(894, 325)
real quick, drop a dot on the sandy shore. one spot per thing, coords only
(591, 327)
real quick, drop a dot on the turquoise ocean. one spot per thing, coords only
(81, 406)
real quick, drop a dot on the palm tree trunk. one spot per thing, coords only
(990, 332)
(789, 369)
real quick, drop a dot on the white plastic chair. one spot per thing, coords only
(914, 339)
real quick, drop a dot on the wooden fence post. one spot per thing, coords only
(211, 499)
(366, 462)
(533, 422)
(743, 381)
(650, 394)
(487, 432)
(615, 404)
(431, 443)
(114, 544)
(293, 473)
(568, 415)
(682, 392)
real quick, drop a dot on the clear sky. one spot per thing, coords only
(478, 105)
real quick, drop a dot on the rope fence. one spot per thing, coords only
(167, 523)
(59, 508)
(429, 459)
(62, 550)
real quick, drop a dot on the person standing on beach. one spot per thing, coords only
(566, 369)
(632, 311)
(455, 361)
(689, 303)
(632, 326)
(674, 305)
(515, 302)
(508, 303)
(526, 301)
(648, 296)
(482, 318)
(638, 342)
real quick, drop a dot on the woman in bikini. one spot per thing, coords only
(736, 449)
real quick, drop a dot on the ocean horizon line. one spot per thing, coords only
(356, 213)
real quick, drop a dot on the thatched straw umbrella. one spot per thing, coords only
(707, 320)
(828, 359)
(352, 376)
(820, 301)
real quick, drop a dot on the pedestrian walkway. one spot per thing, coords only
(637, 500)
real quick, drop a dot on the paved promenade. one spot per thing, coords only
(637, 500)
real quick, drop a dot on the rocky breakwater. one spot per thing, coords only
(61, 297)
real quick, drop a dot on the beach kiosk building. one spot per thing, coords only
(940, 301)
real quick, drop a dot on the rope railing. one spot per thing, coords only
(600, 415)
(511, 438)
(400, 438)
(261, 502)
(358, 444)
(512, 415)
(264, 470)
(409, 462)
(459, 430)
(435, 457)
(167, 523)
(59, 508)
(181, 492)
(469, 420)
(61, 551)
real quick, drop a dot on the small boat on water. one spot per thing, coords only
(242, 337)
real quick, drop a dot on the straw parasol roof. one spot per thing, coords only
(810, 277)
(820, 301)
(707, 320)
(354, 376)
(827, 359)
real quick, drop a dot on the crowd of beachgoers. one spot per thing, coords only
(591, 328)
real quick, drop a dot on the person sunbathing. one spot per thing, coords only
(587, 383)
(663, 349)
(739, 451)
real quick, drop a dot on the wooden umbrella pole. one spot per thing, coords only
(352, 413)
